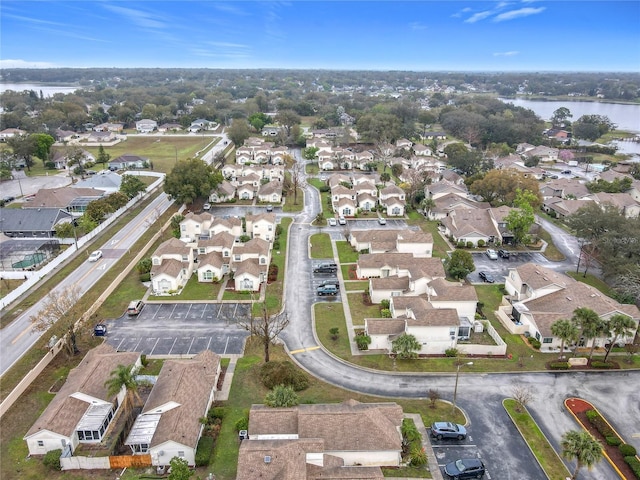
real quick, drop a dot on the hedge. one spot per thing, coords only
(559, 365)
(627, 450)
(204, 451)
(634, 463)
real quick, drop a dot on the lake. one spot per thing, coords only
(626, 117)
(48, 90)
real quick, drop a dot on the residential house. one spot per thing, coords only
(561, 208)
(568, 188)
(73, 200)
(223, 192)
(146, 125)
(102, 137)
(404, 144)
(271, 130)
(450, 202)
(270, 192)
(539, 296)
(250, 263)
(318, 441)
(60, 159)
(393, 199)
(195, 225)
(545, 154)
(82, 410)
(362, 159)
(170, 127)
(358, 178)
(345, 207)
(336, 179)
(10, 132)
(418, 244)
(172, 265)
(232, 225)
(245, 191)
(624, 202)
(420, 150)
(471, 225)
(127, 161)
(109, 127)
(214, 256)
(262, 225)
(64, 136)
(32, 223)
(105, 180)
(434, 136)
(169, 425)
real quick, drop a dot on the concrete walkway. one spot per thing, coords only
(223, 394)
(436, 474)
(345, 303)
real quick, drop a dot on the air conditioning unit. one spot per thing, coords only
(267, 459)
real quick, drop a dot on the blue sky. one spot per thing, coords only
(372, 35)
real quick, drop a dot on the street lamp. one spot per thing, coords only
(455, 389)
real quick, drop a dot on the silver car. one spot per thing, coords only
(442, 430)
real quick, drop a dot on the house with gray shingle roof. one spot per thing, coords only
(321, 440)
(539, 296)
(105, 180)
(32, 223)
(169, 425)
(270, 192)
(82, 411)
(171, 266)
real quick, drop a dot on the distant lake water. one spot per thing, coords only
(626, 117)
(48, 90)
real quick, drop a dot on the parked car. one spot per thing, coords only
(100, 330)
(442, 430)
(332, 222)
(382, 220)
(328, 289)
(95, 256)
(135, 307)
(492, 254)
(326, 268)
(566, 172)
(342, 220)
(486, 277)
(465, 468)
(269, 208)
(206, 206)
(503, 253)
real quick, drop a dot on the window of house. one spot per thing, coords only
(547, 340)
(185, 258)
(537, 335)
(263, 260)
(270, 228)
(208, 275)
(452, 332)
(40, 443)
(183, 228)
(236, 258)
(156, 261)
(395, 211)
(201, 250)
(225, 253)
(180, 453)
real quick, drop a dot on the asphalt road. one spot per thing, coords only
(615, 393)
(18, 337)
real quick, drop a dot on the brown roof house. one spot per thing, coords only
(82, 411)
(169, 425)
(171, 267)
(471, 225)
(540, 296)
(270, 192)
(67, 198)
(250, 263)
(392, 241)
(349, 440)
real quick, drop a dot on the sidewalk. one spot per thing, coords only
(436, 474)
(223, 394)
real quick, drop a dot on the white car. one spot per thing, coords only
(332, 222)
(206, 206)
(95, 256)
(382, 220)
(342, 220)
(492, 254)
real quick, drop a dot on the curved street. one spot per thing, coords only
(615, 393)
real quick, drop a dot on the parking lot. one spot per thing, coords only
(318, 279)
(181, 329)
(500, 268)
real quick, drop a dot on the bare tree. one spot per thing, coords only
(434, 396)
(60, 308)
(266, 327)
(295, 172)
(522, 395)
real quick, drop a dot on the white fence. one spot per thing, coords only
(85, 463)
(34, 277)
(500, 348)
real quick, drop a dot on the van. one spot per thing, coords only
(326, 268)
(135, 307)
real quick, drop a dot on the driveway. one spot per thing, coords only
(23, 185)
(181, 329)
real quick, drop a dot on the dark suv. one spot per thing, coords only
(328, 289)
(503, 253)
(326, 268)
(465, 468)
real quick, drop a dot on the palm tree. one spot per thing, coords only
(620, 326)
(427, 205)
(591, 325)
(565, 330)
(124, 376)
(582, 447)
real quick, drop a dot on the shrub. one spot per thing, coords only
(276, 245)
(145, 277)
(204, 451)
(144, 360)
(242, 423)
(418, 456)
(281, 396)
(559, 365)
(604, 365)
(283, 373)
(597, 421)
(634, 463)
(469, 244)
(481, 243)
(278, 230)
(363, 341)
(535, 343)
(385, 313)
(50, 165)
(273, 273)
(52, 459)
(410, 431)
(613, 441)
(385, 303)
(592, 415)
(460, 244)
(451, 352)
(215, 413)
(627, 450)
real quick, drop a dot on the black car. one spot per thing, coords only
(100, 330)
(487, 277)
(503, 253)
(326, 268)
(465, 468)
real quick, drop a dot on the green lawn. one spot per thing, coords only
(321, 246)
(360, 311)
(161, 151)
(194, 290)
(312, 169)
(551, 252)
(324, 206)
(292, 205)
(440, 247)
(351, 285)
(548, 458)
(346, 253)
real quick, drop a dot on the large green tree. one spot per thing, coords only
(459, 264)
(591, 325)
(377, 126)
(190, 179)
(281, 396)
(581, 447)
(560, 116)
(23, 148)
(566, 331)
(42, 145)
(124, 376)
(520, 219)
(500, 187)
(238, 132)
(103, 157)
(131, 185)
(592, 127)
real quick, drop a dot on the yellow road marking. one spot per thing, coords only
(301, 350)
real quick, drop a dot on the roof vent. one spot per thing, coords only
(569, 298)
(267, 459)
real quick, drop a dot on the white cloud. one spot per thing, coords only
(229, 8)
(137, 17)
(417, 26)
(18, 63)
(476, 17)
(522, 12)
(510, 53)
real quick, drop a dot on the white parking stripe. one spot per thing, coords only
(225, 346)
(191, 344)
(154, 346)
(173, 344)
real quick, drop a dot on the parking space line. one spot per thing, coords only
(204, 310)
(226, 345)
(174, 309)
(136, 349)
(209, 343)
(156, 312)
(118, 347)
(189, 310)
(173, 345)
(154, 346)
(193, 339)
